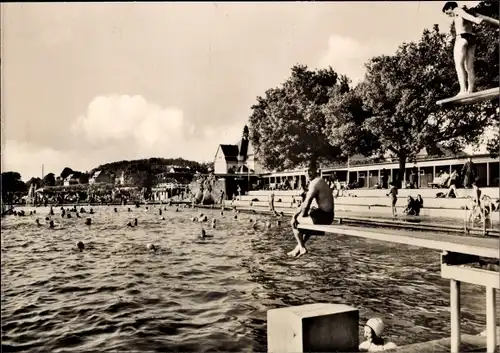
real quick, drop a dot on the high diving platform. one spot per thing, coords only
(455, 262)
(472, 98)
(460, 256)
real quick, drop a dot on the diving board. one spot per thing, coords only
(483, 247)
(472, 98)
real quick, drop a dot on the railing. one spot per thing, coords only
(483, 212)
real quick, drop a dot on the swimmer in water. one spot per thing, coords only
(373, 334)
(204, 235)
(465, 43)
(80, 246)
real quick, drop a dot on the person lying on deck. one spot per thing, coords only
(319, 191)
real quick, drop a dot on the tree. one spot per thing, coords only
(487, 59)
(36, 181)
(49, 180)
(345, 116)
(493, 146)
(11, 182)
(140, 177)
(287, 124)
(66, 172)
(205, 167)
(487, 62)
(400, 94)
(83, 178)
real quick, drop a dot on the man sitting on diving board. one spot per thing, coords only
(323, 214)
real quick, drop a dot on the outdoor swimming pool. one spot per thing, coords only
(200, 295)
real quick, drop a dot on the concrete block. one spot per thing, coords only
(318, 327)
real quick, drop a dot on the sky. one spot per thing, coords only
(84, 84)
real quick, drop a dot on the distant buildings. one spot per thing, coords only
(236, 159)
(70, 180)
(100, 177)
(236, 165)
(226, 159)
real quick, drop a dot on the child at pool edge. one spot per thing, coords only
(373, 334)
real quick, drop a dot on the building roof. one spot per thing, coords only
(230, 152)
(243, 148)
(96, 174)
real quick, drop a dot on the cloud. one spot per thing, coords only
(27, 159)
(131, 127)
(119, 127)
(346, 56)
(110, 119)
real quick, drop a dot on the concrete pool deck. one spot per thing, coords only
(469, 343)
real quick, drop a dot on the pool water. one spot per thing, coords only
(203, 294)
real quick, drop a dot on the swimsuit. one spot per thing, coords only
(469, 37)
(319, 216)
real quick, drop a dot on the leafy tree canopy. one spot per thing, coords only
(11, 182)
(34, 181)
(394, 109)
(287, 124)
(49, 179)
